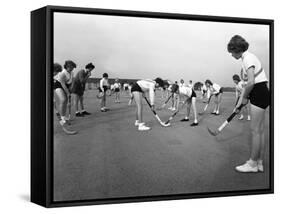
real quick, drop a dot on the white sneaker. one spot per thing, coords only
(249, 118)
(260, 166)
(171, 108)
(247, 167)
(137, 123)
(241, 117)
(62, 122)
(143, 127)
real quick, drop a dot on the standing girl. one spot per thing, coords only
(104, 85)
(257, 92)
(138, 90)
(216, 90)
(116, 88)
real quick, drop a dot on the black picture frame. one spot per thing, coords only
(42, 107)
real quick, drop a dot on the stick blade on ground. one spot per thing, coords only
(214, 133)
(69, 132)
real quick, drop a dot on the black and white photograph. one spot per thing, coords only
(146, 106)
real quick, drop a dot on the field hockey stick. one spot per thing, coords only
(69, 107)
(67, 131)
(165, 103)
(227, 121)
(155, 114)
(175, 113)
(206, 107)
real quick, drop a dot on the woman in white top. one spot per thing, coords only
(104, 85)
(257, 92)
(138, 90)
(239, 85)
(215, 90)
(189, 97)
(62, 82)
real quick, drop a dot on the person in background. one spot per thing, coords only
(116, 89)
(104, 86)
(239, 85)
(190, 84)
(78, 88)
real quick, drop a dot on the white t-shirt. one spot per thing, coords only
(215, 88)
(103, 82)
(170, 88)
(116, 85)
(64, 77)
(249, 60)
(148, 86)
(190, 85)
(239, 87)
(185, 90)
(204, 87)
(125, 85)
(182, 84)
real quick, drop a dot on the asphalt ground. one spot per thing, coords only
(110, 158)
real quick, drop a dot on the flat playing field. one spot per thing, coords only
(109, 158)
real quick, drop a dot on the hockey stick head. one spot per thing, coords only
(214, 133)
(166, 124)
(69, 132)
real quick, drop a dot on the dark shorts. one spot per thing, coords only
(136, 87)
(220, 92)
(116, 89)
(260, 95)
(193, 94)
(126, 88)
(57, 84)
(78, 88)
(175, 88)
(104, 88)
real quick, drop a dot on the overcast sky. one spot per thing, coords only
(129, 47)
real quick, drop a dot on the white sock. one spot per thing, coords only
(253, 163)
(195, 121)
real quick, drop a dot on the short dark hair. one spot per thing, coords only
(237, 44)
(105, 75)
(159, 81)
(90, 66)
(236, 77)
(69, 63)
(209, 82)
(56, 68)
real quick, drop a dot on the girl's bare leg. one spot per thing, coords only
(60, 94)
(138, 99)
(257, 134)
(193, 100)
